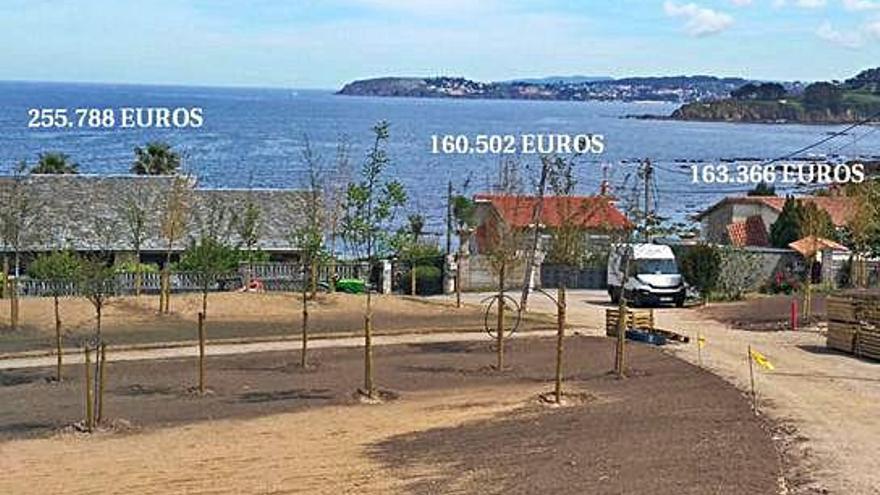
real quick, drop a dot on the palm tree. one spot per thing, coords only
(55, 163)
(157, 158)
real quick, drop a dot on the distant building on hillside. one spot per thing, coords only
(88, 214)
(746, 220)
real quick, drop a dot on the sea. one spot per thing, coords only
(254, 138)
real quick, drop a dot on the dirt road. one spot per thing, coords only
(832, 399)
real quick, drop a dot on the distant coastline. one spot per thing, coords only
(702, 98)
(675, 89)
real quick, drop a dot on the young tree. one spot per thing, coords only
(55, 163)
(863, 228)
(335, 190)
(157, 158)
(136, 207)
(309, 235)
(175, 217)
(408, 246)
(814, 224)
(97, 283)
(464, 213)
(19, 226)
(567, 246)
(247, 222)
(505, 245)
(370, 208)
(59, 270)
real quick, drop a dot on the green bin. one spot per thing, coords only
(350, 286)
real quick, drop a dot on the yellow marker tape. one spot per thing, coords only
(762, 360)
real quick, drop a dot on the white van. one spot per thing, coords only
(652, 278)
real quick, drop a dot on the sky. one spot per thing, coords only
(325, 43)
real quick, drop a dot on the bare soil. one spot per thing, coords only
(456, 426)
(763, 313)
(231, 315)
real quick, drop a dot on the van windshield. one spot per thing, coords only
(656, 267)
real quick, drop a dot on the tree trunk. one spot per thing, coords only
(619, 358)
(458, 282)
(205, 301)
(58, 349)
(500, 330)
(412, 279)
(13, 303)
(313, 278)
(560, 334)
(98, 321)
(102, 359)
(305, 329)
(138, 274)
(88, 390)
(202, 386)
(4, 283)
(368, 346)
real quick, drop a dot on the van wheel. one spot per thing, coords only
(679, 302)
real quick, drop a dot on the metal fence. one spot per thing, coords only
(272, 277)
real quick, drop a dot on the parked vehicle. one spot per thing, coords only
(646, 274)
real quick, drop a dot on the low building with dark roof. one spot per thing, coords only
(91, 213)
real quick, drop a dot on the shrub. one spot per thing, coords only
(132, 267)
(739, 272)
(783, 283)
(701, 267)
(428, 279)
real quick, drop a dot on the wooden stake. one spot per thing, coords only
(58, 350)
(560, 334)
(752, 382)
(368, 347)
(500, 335)
(102, 357)
(305, 328)
(13, 303)
(620, 360)
(201, 353)
(88, 385)
(700, 349)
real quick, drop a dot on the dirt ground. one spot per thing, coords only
(456, 426)
(763, 312)
(828, 402)
(131, 320)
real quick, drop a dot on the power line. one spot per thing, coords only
(833, 135)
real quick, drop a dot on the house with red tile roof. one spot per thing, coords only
(746, 220)
(595, 215)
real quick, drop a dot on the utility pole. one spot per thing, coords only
(449, 219)
(648, 173)
(536, 224)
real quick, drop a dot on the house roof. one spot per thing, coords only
(752, 232)
(589, 212)
(808, 246)
(839, 208)
(88, 212)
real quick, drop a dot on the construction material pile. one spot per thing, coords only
(854, 323)
(635, 319)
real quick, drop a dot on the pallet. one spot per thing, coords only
(635, 319)
(854, 324)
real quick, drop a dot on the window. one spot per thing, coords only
(656, 267)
